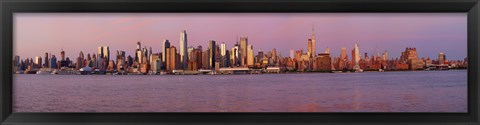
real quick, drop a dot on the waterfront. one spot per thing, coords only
(408, 91)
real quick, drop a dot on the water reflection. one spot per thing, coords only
(437, 91)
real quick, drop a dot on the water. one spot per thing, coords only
(419, 91)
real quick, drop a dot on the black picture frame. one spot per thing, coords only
(8, 7)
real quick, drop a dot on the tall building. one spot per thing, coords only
(441, 58)
(47, 60)
(292, 54)
(38, 62)
(343, 60)
(106, 52)
(212, 54)
(166, 44)
(155, 63)
(183, 49)
(62, 54)
(313, 50)
(385, 55)
(250, 61)
(223, 49)
(410, 56)
(235, 55)
(356, 57)
(53, 62)
(327, 50)
(171, 60)
(243, 50)
(80, 61)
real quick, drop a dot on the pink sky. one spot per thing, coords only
(430, 33)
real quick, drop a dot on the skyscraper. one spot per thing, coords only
(356, 57)
(292, 54)
(250, 60)
(62, 54)
(223, 49)
(441, 58)
(314, 46)
(243, 50)
(166, 44)
(47, 60)
(183, 49)
(171, 60)
(212, 54)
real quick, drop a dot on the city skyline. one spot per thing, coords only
(450, 41)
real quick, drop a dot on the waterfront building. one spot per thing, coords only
(120, 60)
(211, 54)
(38, 62)
(205, 57)
(47, 60)
(273, 61)
(411, 58)
(227, 59)
(355, 58)
(323, 62)
(155, 63)
(292, 54)
(243, 51)
(79, 61)
(62, 55)
(166, 44)
(343, 61)
(183, 49)
(171, 59)
(312, 44)
(250, 61)
(53, 62)
(441, 58)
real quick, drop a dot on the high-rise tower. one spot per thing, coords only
(183, 49)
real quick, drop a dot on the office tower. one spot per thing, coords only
(385, 55)
(38, 62)
(212, 54)
(205, 59)
(250, 61)
(310, 48)
(171, 58)
(139, 55)
(104, 52)
(327, 50)
(356, 57)
(227, 59)
(292, 54)
(144, 55)
(183, 49)
(223, 49)
(243, 51)
(166, 44)
(155, 63)
(62, 54)
(47, 60)
(190, 52)
(120, 60)
(441, 58)
(234, 55)
(323, 62)
(259, 56)
(53, 62)
(343, 59)
(139, 45)
(312, 44)
(274, 55)
(79, 61)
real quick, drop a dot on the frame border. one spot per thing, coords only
(9, 7)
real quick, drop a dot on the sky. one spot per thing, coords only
(430, 33)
